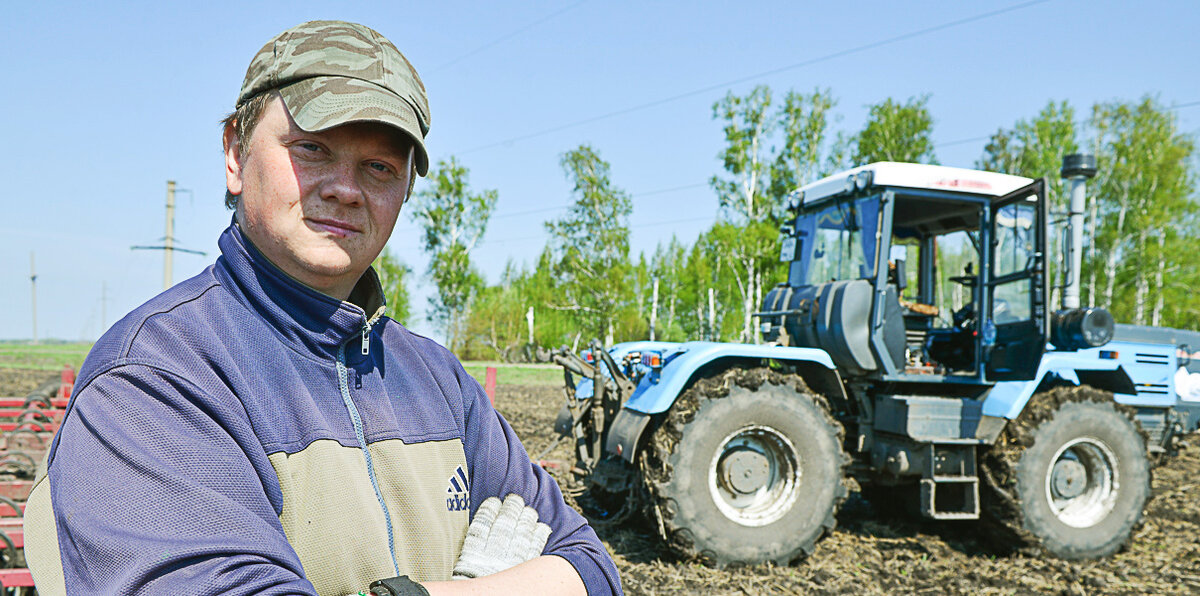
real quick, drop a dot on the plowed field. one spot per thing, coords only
(869, 553)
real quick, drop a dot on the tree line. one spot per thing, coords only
(1142, 226)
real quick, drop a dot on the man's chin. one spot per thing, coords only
(335, 266)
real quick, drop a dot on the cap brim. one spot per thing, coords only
(320, 103)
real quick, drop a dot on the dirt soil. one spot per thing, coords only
(869, 553)
(19, 382)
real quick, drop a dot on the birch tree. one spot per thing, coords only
(748, 125)
(590, 245)
(453, 220)
(1146, 202)
(896, 132)
(1034, 149)
(804, 123)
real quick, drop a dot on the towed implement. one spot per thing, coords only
(911, 348)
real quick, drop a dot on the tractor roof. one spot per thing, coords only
(915, 175)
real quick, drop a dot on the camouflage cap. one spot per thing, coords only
(333, 72)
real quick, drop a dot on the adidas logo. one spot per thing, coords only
(459, 491)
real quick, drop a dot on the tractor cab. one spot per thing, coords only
(911, 271)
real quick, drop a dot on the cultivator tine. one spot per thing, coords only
(599, 388)
(573, 364)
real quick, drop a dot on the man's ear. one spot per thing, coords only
(233, 160)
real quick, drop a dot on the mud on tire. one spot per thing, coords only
(748, 467)
(1070, 476)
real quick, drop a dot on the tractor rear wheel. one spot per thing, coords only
(748, 467)
(1070, 476)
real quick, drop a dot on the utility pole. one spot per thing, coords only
(33, 287)
(712, 316)
(169, 239)
(168, 246)
(654, 309)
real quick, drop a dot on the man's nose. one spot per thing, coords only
(340, 183)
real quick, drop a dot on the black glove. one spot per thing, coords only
(398, 586)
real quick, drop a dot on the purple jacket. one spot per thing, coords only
(242, 433)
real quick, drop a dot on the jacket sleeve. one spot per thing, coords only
(500, 465)
(157, 487)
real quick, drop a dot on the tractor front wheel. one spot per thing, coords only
(748, 467)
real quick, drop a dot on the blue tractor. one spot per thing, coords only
(912, 348)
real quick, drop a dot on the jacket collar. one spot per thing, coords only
(309, 320)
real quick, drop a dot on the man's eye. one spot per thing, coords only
(379, 167)
(310, 146)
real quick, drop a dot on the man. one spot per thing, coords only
(262, 428)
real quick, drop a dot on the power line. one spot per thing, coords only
(505, 37)
(1081, 122)
(809, 62)
(962, 141)
(1177, 106)
(667, 190)
(565, 207)
(702, 184)
(654, 224)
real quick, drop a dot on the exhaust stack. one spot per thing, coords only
(1078, 168)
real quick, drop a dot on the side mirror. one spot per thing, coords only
(898, 256)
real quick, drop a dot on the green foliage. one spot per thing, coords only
(740, 262)
(392, 274)
(1142, 222)
(1146, 221)
(523, 374)
(48, 356)
(752, 197)
(896, 132)
(1035, 149)
(747, 125)
(454, 220)
(497, 327)
(590, 245)
(804, 120)
(1144, 227)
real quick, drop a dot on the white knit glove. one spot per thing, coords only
(501, 536)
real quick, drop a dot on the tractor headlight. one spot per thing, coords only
(862, 180)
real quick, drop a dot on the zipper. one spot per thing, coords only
(366, 338)
(344, 386)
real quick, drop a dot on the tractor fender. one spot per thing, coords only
(657, 392)
(583, 386)
(1008, 398)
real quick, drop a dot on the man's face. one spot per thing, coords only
(319, 205)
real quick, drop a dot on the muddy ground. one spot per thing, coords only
(869, 553)
(19, 382)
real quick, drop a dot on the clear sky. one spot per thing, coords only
(104, 102)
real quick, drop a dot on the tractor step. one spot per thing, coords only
(949, 484)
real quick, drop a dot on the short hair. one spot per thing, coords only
(245, 118)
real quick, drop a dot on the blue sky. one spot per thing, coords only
(105, 102)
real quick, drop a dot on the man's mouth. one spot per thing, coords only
(336, 227)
